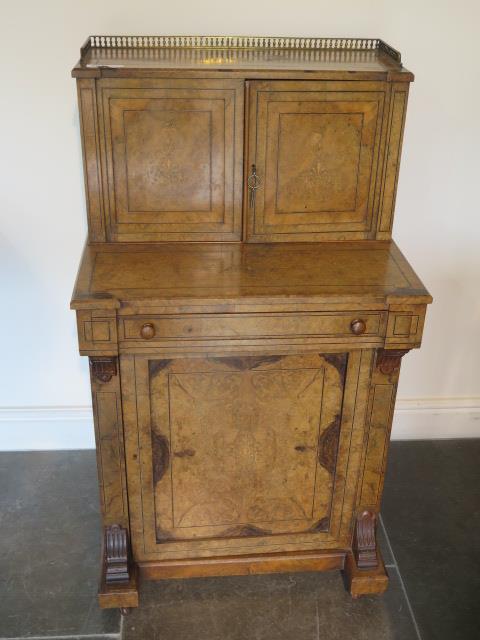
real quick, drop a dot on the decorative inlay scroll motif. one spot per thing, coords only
(162, 536)
(169, 154)
(103, 368)
(160, 456)
(164, 169)
(245, 531)
(321, 526)
(318, 161)
(155, 366)
(338, 360)
(328, 446)
(247, 362)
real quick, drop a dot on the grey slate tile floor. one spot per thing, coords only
(49, 554)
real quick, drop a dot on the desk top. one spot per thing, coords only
(220, 276)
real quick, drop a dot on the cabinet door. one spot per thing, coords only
(315, 149)
(173, 158)
(234, 455)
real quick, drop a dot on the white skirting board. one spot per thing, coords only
(40, 428)
(43, 428)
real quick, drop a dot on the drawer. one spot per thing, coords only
(257, 326)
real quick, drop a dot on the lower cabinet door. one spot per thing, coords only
(242, 454)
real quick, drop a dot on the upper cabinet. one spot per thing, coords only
(189, 142)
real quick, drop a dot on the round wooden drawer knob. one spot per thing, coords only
(358, 327)
(147, 331)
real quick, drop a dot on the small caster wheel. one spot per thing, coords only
(125, 611)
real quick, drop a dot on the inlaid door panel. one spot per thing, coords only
(173, 156)
(314, 148)
(237, 453)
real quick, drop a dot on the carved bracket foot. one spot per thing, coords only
(116, 555)
(364, 571)
(364, 540)
(363, 582)
(118, 588)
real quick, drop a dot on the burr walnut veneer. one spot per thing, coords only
(241, 301)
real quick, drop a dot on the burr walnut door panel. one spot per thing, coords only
(314, 148)
(173, 156)
(237, 454)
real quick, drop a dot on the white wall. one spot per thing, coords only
(44, 390)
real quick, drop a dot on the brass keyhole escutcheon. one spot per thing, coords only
(253, 183)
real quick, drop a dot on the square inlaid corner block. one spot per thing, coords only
(97, 332)
(405, 325)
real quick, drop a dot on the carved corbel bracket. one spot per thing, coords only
(117, 556)
(364, 540)
(389, 360)
(103, 368)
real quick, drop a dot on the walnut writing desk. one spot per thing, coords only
(241, 301)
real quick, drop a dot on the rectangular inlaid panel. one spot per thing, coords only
(246, 460)
(164, 173)
(318, 160)
(405, 325)
(87, 102)
(383, 390)
(315, 149)
(97, 332)
(109, 451)
(253, 477)
(382, 400)
(107, 413)
(398, 107)
(236, 452)
(173, 159)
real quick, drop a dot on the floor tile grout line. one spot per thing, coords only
(107, 636)
(392, 562)
(402, 584)
(120, 633)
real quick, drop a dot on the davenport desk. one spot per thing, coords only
(241, 301)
